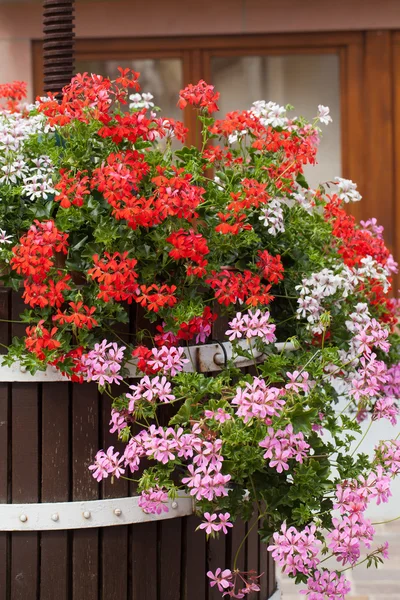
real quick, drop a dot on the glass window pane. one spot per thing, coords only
(302, 80)
(162, 77)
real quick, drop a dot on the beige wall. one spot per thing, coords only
(20, 21)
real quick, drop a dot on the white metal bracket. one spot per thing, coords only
(52, 516)
(206, 358)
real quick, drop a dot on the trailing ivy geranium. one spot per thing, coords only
(222, 243)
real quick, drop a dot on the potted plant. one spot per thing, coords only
(223, 240)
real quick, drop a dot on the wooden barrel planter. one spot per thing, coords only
(63, 536)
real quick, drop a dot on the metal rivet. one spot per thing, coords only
(23, 518)
(174, 504)
(117, 512)
(86, 514)
(55, 517)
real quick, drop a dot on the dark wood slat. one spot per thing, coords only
(25, 488)
(5, 440)
(265, 580)
(114, 540)
(54, 573)
(194, 576)
(237, 534)
(25, 551)
(4, 445)
(144, 562)
(252, 551)
(221, 325)
(216, 557)
(85, 443)
(170, 559)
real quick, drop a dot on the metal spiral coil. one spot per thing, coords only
(58, 45)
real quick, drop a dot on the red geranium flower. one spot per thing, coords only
(81, 316)
(200, 95)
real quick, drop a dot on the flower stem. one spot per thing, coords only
(243, 541)
(254, 358)
(384, 522)
(11, 321)
(362, 439)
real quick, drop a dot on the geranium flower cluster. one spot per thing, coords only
(103, 363)
(326, 584)
(352, 528)
(216, 522)
(296, 551)
(153, 501)
(272, 217)
(116, 277)
(192, 246)
(232, 288)
(151, 390)
(200, 95)
(283, 445)
(252, 325)
(13, 93)
(198, 328)
(234, 584)
(107, 463)
(34, 258)
(142, 269)
(388, 455)
(258, 400)
(324, 284)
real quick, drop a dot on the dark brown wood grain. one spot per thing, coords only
(195, 586)
(114, 540)
(237, 535)
(25, 473)
(85, 443)
(145, 570)
(4, 479)
(56, 452)
(5, 450)
(252, 550)
(216, 557)
(25, 487)
(267, 582)
(170, 548)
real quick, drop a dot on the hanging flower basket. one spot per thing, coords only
(222, 246)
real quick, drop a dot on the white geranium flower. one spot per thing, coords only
(140, 101)
(323, 114)
(269, 113)
(272, 215)
(347, 190)
(4, 238)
